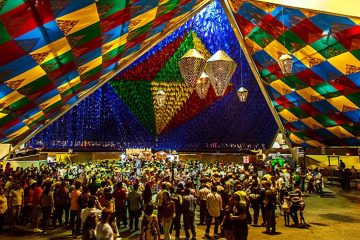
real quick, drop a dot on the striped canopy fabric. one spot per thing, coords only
(55, 51)
(319, 103)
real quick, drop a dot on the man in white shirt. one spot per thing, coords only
(91, 209)
(214, 206)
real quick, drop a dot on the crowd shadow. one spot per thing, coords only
(340, 218)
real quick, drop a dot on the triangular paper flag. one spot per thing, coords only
(40, 57)
(66, 25)
(14, 84)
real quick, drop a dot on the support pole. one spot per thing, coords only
(253, 68)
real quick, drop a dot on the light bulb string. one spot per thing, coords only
(282, 14)
(241, 83)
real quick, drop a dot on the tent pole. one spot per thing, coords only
(240, 39)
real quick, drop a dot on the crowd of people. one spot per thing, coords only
(155, 197)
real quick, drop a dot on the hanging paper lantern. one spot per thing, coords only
(286, 64)
(220, 68)
(202, 85)
(191, 66)
(242, 94)
(160, 98)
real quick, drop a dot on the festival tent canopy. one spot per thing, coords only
(186, 122)
(55, 53)
(319, 102)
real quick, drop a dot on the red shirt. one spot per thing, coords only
(29, 199)
(36, 195)
(120, 197)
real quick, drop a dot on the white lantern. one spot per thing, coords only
(242, 94)
(286, 64)
(160, 98)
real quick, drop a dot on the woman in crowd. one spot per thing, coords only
(149, 225)
(168, 213)
(286, 209)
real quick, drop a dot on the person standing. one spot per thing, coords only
(158, 203)
(147, 194)
(213, 205)
(75, 220)
(135, 205)
(3, 207)
(295, 206)
(120, 196)
(16, 199)
(149, 224)
(341, 165)
(318, 182)
(238, 219)
(203, 192)
(37, 192)
(103, 229)
(89, 227)
(255, 203)
(177, 199)
(270, 206)
(168, 210)
(189, 202)
(61, 198)
(46, 202)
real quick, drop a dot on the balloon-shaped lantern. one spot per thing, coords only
(191, 66)
(220, 68)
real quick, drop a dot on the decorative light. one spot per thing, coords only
(242, 94)
(286, 64)
(285, 60)
(191, 66)
(220, 68)
(202, 85)
(160, 98)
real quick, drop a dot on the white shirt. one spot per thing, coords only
(214, 204)
(104, 231)
(87, 211)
